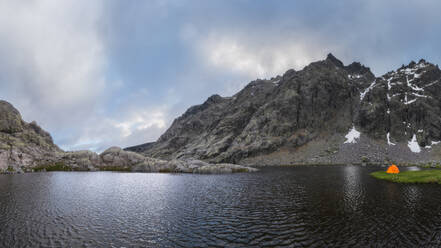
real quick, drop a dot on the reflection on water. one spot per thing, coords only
(352, 187)
(413, 193)
(413, 168)
(284, 207)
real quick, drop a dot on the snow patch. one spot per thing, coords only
(352, 76)
(413, 145)
(432, 83)
(362, 94)
(388, 140)
(409, 102)
(388, 88)
(408, 70)
(276, 82)
(418, 95)
(413, 87)
(422, 65)
(352, 136)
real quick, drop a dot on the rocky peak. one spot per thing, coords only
(331, 58)
(357, 70)
(10, 118)
(214, 99)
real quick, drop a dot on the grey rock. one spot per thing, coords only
(23, 145)
(115, 158)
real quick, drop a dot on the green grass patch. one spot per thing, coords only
(311, 164)
(239, 170)
(166, 170)
(53, 167)
(422, 176)
(115, 168)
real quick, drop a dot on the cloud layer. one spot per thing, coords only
(102, 73)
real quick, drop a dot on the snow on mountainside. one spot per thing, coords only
(327, 112)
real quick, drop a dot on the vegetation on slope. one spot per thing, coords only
(59, 166)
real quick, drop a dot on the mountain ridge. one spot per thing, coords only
(324, 100)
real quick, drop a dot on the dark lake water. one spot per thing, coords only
(276, 207)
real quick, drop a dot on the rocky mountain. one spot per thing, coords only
(324, 113)
(25, 147)
(23, 144)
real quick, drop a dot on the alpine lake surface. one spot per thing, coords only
(322, 206)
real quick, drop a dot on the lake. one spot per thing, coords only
(326, 206)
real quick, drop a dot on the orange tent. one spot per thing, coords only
(393, 169)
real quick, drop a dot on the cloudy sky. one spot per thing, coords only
(102, 73)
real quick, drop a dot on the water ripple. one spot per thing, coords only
(277, 207)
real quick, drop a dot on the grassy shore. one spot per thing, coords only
(422, 176)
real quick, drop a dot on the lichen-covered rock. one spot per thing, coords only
(81, 160)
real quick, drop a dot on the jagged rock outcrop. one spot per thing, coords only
(304, 116)
(23, 145)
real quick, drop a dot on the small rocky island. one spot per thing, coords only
(418, 176)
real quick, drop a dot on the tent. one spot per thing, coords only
(393, 169)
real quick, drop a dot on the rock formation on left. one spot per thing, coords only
(23, 145)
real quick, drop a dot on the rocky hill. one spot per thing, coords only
(325, 113)
(25, 147)
(23, 144)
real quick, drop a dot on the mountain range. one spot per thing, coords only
(327, 112)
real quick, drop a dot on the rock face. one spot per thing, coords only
(23, 145)
(304, 116)
(404, 103)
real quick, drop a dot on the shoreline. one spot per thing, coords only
(410, 177)
(216, 170)
(379, 164)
